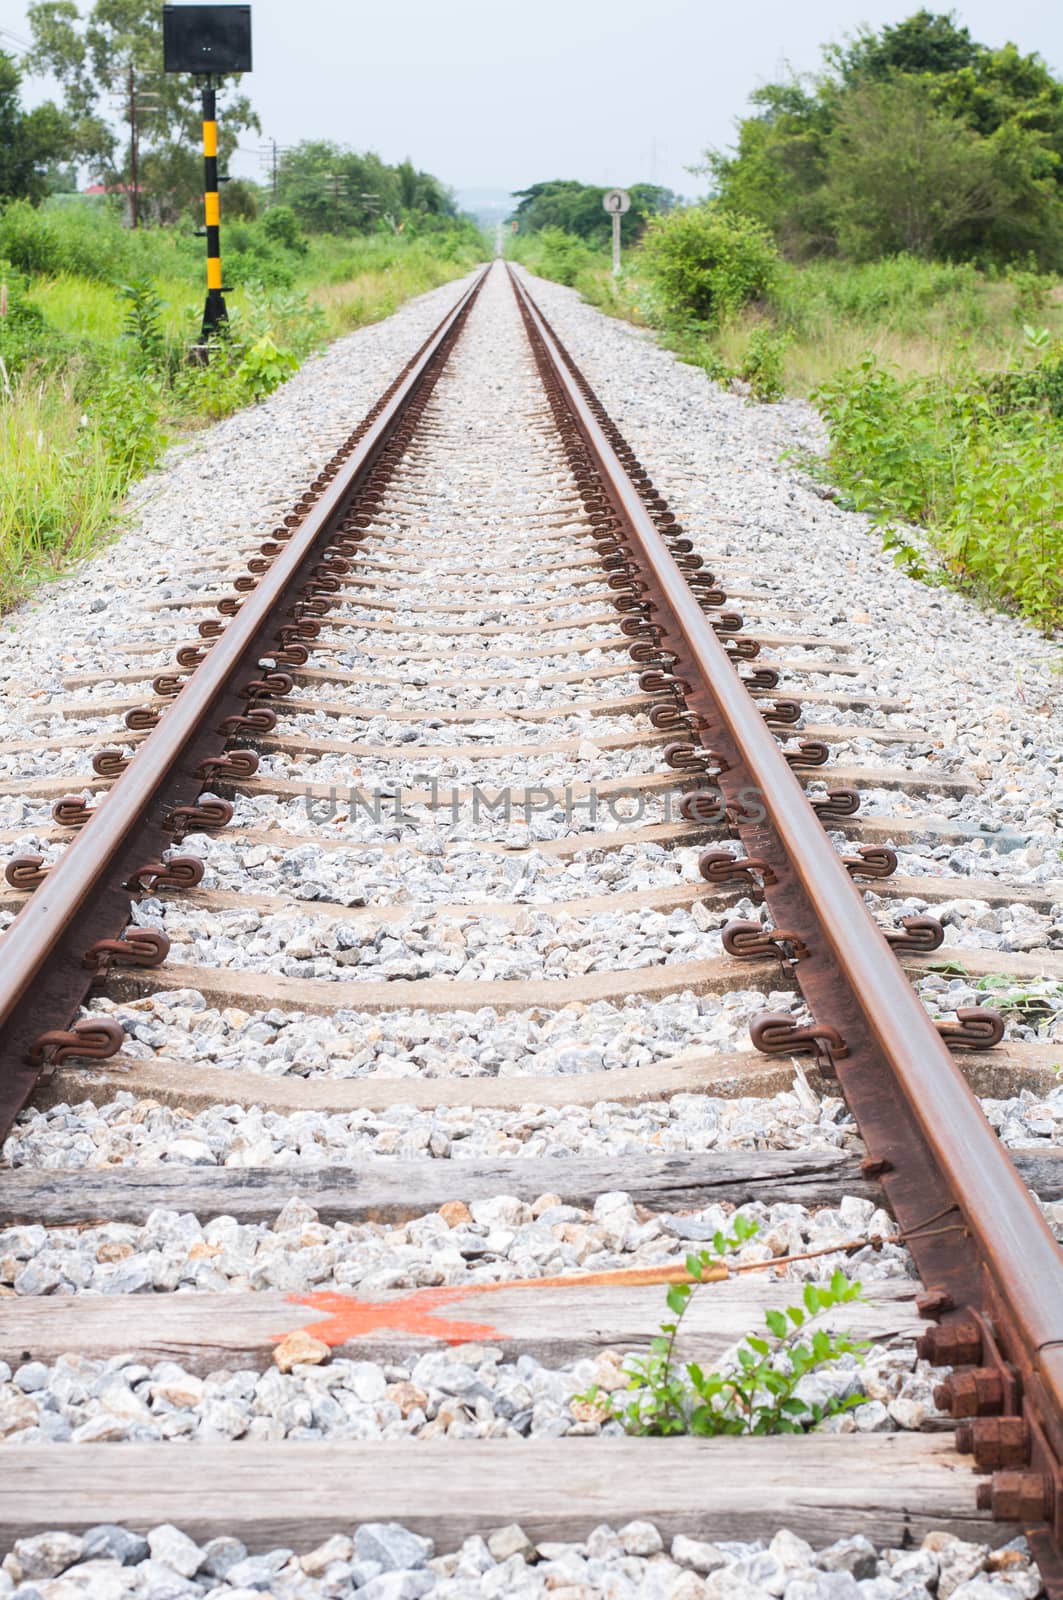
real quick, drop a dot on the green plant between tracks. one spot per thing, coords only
(757, 1391)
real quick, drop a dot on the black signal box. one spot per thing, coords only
(205, 39)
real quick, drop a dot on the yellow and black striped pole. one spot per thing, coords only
(214, 312)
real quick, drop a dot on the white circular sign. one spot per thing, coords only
(616, 202)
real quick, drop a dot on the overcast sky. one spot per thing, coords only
(490, 93)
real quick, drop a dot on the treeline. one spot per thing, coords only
(914, 139)
(108, 64)
(577, 209)
(332, 189)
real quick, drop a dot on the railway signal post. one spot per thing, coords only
(208, 40)
(616, 202)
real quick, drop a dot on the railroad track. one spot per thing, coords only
(463, 704)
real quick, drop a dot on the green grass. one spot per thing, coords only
(354, 282)
(919, 317)
(59, 484)
(355, 289)
(85, 408)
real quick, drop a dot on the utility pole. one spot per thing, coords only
(338, 185)
(134, 191)
(134, 102)
(269, 160)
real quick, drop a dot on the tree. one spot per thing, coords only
(971, 168)
(577, 208)
(421, 192)
(777, 172)
(925, 42)
(330, 188)
(32, 143)
(903, 176)
(333, 189)
(97, 59)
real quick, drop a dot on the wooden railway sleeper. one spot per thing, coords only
(98, 905)
(1034, 1493)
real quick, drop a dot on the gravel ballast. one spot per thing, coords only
(487, 493)
(385, 1561)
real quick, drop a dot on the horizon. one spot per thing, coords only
(442, 91)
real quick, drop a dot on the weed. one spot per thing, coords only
(1031, 291)
(142, 326)
(755, 1393)
(940, 415)
(762, 366)
(59, 483)
(264, 367)
(1032, 1006)
(907, 556)
(92, 382)
(965, 460)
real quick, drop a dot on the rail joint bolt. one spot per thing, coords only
(1015, 1496)
(978, 1392)
(953, 1344)
(995, 1442)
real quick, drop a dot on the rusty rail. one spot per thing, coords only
(993, 1271)
(71, 927)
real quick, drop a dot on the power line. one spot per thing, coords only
(23, 45)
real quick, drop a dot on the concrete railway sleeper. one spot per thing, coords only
(301, 685)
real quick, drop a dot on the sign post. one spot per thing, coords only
(205, 40)
(616, 202)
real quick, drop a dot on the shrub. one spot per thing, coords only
(1038, 388)
(895, 292)
(27, 339)
(560, 256)
(706, 262)
(142, 326)
(43, 242)
(968, 461)
(259, 266)
(281, 227)
(762, 365)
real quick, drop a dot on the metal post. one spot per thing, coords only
(214, 312)
(616, 202)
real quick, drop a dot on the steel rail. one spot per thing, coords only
(40, 932)
(1014, 1243)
